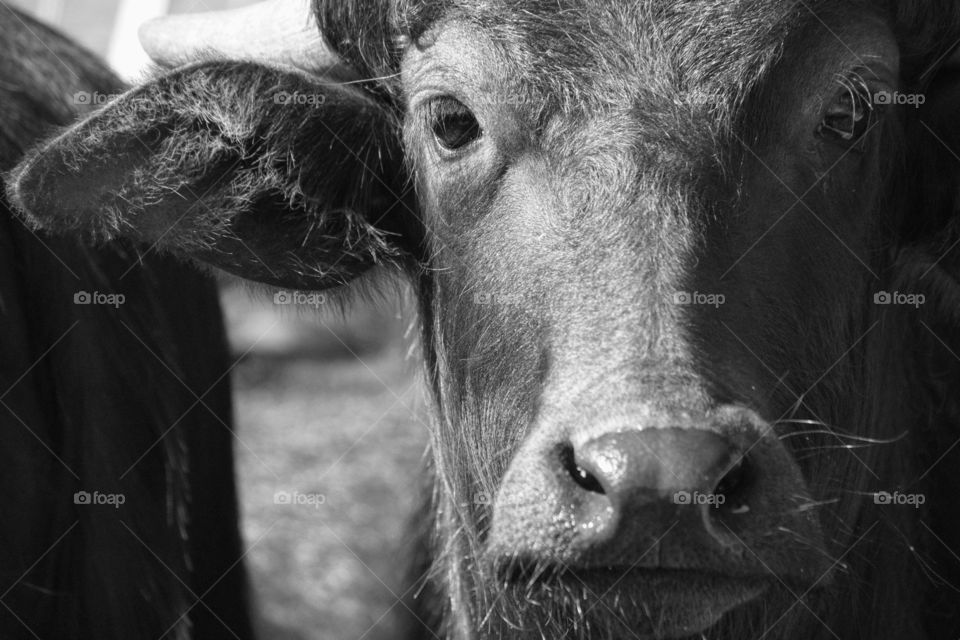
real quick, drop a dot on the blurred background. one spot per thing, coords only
(330, 418)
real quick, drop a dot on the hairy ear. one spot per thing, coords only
(270, 175)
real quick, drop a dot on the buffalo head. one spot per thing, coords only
(687, 275)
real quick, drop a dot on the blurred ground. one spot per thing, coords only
(330, 416)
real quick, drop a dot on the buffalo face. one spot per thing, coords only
(655, 247)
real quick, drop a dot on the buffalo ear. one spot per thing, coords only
(268, 174)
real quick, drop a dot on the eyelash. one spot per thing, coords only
(850, 114)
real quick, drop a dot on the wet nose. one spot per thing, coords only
(634, 468)
(638, 481)
(660, 497)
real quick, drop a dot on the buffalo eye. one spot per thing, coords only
(849, 115)
(454, 126)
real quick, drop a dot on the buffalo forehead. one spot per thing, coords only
(583, 53)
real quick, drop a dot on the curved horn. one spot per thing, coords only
(274, 32)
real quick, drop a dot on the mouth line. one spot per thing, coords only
(631, 577)
(649, 603)
(676, 575)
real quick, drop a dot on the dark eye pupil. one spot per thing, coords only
(454, 126)
(849, 117)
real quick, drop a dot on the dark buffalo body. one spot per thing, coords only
(122, 400)
(688, 277)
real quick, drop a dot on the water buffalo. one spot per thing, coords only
(116, 472)
(687, 274)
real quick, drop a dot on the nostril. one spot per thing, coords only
(581, 476)
(733, 485)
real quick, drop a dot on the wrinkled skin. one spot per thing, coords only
(623, 156)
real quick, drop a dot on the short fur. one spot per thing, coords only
(647, 148)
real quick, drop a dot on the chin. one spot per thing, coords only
(612, 604)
